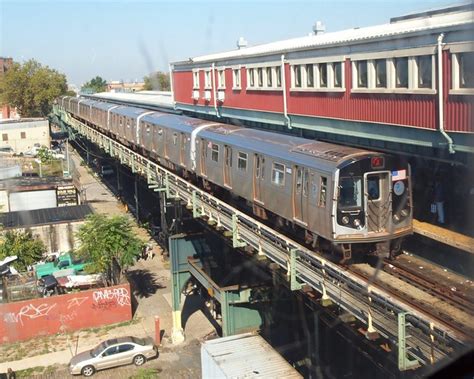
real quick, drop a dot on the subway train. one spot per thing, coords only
(336, 198)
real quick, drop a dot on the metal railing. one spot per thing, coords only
(430, 340)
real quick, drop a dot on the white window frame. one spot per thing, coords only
(241, 158)
(207, 79)
(456, 88)
(330, 87)
(221, 78)
(391, 87)
(196, 79)
(236, 74)
(264, 87)
(250, 78)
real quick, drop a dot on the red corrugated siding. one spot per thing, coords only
(458, 108)
(411, 110)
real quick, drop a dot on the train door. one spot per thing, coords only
(258, 177)
(182, 149)
(300, 193)
(377, 201)
(227, 166)
(202, 157)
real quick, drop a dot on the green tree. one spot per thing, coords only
(94, 85)
(157, 81)
(31, 88)
(22, 244)
(108, 244)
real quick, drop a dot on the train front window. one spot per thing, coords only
(350, 192)
(373, 187)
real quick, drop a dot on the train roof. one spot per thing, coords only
(309, 153)
(399, 27)
(128, 111)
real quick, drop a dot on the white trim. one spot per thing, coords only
(427, 50)
(456, 88)
(328, 59)
(196, 76)
(262, 64)
(137, 129)
(208, 75)
(192, 149)
(220, 83)
(239, 75)
(461, 47)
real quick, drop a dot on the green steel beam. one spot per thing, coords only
(404, 362)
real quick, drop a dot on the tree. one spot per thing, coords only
(22, 244)
(157, 81)
(31, 88)
(108, 244)
(94, 85)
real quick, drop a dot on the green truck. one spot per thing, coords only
(63, 262)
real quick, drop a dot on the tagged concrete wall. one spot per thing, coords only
(58, 314)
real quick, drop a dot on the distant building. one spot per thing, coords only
(120, 86)
(6, 110)
(21, 135)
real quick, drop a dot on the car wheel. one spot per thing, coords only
(139, 360)
(88, 370)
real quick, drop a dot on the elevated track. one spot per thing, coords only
(389, 314)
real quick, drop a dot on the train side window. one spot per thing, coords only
(175, 138)
(215, 152)
(299, 180)
(278, 174)
(242, 161)
(305, 183)
(323, 191)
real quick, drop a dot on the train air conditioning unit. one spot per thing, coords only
(195, 95)
(221, 96)
(207, 95)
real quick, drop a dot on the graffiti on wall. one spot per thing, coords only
(119, 296)
(29, 311)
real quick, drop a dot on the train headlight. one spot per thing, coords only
(405, 212)
(345, 220)
(356, 222)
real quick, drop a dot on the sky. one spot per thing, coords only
(126, 40)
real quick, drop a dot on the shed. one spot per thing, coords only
(245, 355)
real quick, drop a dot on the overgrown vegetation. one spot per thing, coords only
(22, 244)
(146, 373)
(32, 88)
(109, 244)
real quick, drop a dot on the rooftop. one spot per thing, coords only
(46, 216)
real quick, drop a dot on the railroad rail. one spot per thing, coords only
(373, 305)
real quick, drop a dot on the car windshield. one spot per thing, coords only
(99, 349)
(350, 192)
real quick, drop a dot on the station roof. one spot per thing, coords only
(155, 99)
(455, 16)
(22, 219)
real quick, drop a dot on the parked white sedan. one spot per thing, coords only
(112, 353)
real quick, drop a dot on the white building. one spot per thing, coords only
(21, 135)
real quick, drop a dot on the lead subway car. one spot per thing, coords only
(336, 197)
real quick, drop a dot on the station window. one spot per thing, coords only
(268, 72)
(309, 75)
(242, 161)
(337, 68)
(251, 77)
(278, 76)
(207, 79)
(401, 72)
(323, 75)
(196, 79)
(297, 75)
(323, 191)
(4, 137)
(236, 78)
(362, 78)
(380, 73)
(466, 73)
(278, 174)
(424, 65)
(215, 152)
(221, 77)
(23, 135)
(260, 76)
